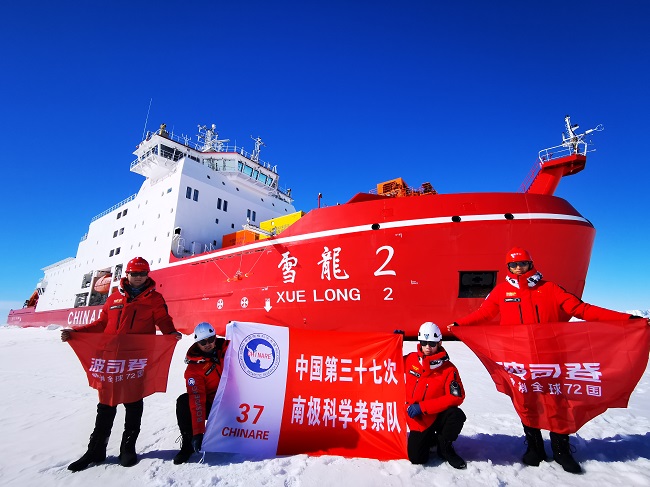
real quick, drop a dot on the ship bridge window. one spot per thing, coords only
(171, 153)
(476, 284)
(196, 195)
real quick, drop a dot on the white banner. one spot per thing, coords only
(247, 411)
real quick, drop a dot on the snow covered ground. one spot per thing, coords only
(47, 412)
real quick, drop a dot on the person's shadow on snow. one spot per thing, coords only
(507, 449)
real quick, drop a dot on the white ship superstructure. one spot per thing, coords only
(193, 195)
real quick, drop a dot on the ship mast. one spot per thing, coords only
(255, 156)
(210, 138)
(572, 140)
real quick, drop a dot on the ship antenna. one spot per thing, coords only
(255, 156)
(146, 120)
(573, 140)
(210, 138)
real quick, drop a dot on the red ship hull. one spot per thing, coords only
(373, 264)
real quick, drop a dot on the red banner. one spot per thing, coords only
(291, 391)
(124, 368)
(344, 396)
(561, 375)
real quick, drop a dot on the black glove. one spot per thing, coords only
(197, 442)
(414, 410)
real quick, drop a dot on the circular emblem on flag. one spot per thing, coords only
(191, 381)
(259, 355)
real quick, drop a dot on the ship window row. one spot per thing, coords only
(114, 252)
(118, 232)
(222, 204)
(122, 213)
(254, 174)
(250, 214)
(192, 194)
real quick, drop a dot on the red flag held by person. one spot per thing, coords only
(124, 368)
(561, 375)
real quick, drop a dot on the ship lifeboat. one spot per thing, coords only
(103, 284)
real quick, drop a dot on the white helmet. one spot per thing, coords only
(429, 332)
(202, 331)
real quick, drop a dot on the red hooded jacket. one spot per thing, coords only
(202, 377)
(432, 382)
(123, 313)
(528, 299)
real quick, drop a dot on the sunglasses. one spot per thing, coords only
(138, 274)
(424, 343)
(523, 263)
(206, 341)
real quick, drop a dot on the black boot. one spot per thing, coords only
(446, 452)
(186, 449)
(128, 457)
(96, 452)
(562, 453)
(535, 453)
(132, 421)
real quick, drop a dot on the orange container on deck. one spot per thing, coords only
(238, 238)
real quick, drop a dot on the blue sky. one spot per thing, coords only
(345, 94)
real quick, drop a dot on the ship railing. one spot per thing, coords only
(188, 142)
(59, 263)
(564, 150)
(114, 207)
(545, 155)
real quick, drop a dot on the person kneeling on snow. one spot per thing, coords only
(433, 393)
(204, 362)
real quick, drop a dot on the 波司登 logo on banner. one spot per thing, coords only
(259, 355)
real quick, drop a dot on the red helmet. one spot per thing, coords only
(137, 264)
(517, 254)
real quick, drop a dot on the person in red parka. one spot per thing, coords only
(204, 362)
(526, 298)
(433, 393)
(135, 307)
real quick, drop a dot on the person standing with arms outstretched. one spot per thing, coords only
(526, 298)
(134, 308)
